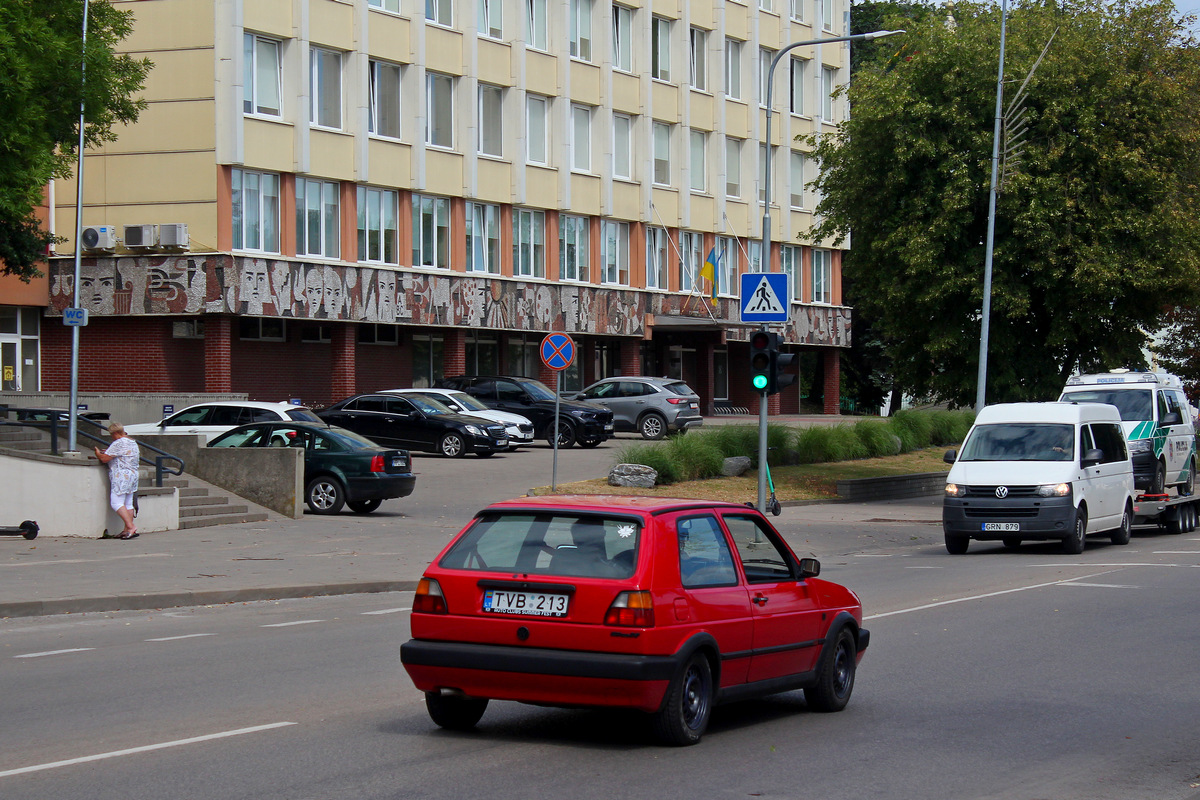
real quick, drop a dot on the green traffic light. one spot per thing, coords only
(760, 382)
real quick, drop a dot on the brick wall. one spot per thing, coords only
(382, 366)
(136, 354)
(832, 381)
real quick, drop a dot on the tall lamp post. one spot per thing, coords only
(73, 402)
(765, 251)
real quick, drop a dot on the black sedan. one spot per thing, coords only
(416, 423)
(340, 467)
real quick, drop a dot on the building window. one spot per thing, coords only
(691, 252)
(622, 146)
(439, 11)
(733, 68)
(374, 333)
(378, 226)
(384, 114)
(733, 167)
(657, 257)
(821, 277)
(483, 354)
(622, 54)
(262, 329)
(798, 9)
(386, 5)
(727, 261)
(762, 173)
(326, 85)
(615, 253)
(581, 29)
(581, 138)
(183, 329)
(789, 260)
(529, 243)
(483, 238)
(318, 223)
(754, 256)
(439, 109)
(662, 153)
(827, 83)
(796, 171)
(699, 43)
(660, 49)
(430, 231)
(321, 334)
(535, 18)
(491, 120)
(766, 5)
(489, 18)
(427, 361)
(260, 76)
(574, 252)
(255, 206)
(698, 155)
(826, 14)
(765, 57)
(796, 86)
(535, 129)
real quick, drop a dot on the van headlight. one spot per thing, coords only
(1054, 490)
(1141, 446)
(955, 490)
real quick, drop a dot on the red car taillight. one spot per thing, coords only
(377, 464)
(631, 610)
(678, 401)
(429, 598)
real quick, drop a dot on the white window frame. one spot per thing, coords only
(255, 230)
(435, 113)
(796, 70)
(581, 29)
(535, 24)
(489, 18)
(581, 138)
(766, 5)
(622, 42)
(826, 14)
(483, 237)
(318, 218)
(727, 271)
(765, 56)
(491, 120)
(796, 165)
(430, 242)
(325, 111)
(380, 112)
(798, 9)
(733, 167)
(790, 261)
(537, 129)
(660, 48)
(385, 5)
(378, 222)
(442, 12)
(753, 256)
(733, 68)
(529, 243)
(828, 82)
(614, 255)
(692, 255)
(658, 248)
(662, 153)
(261, 80)
(698, 160)
(574, 247)
(698, 40)
(822, 276)
(622, 151)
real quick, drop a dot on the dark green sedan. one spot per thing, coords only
(340, 467)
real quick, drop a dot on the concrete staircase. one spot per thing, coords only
(200, 504)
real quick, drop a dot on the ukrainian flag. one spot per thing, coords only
(709, 270)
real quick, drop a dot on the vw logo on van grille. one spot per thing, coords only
(1001, 491)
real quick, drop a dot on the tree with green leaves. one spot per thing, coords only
(42, 70)
(1097, 223)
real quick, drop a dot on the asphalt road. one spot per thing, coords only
(996, 674)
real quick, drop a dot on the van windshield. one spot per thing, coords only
(1134, 404)
(1020, 441)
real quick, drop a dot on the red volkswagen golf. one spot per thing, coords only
(663, 605)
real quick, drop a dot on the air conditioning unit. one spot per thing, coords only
(173, 236)
(99, 239)
(140, 237)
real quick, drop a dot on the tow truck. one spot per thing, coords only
(1171, 513)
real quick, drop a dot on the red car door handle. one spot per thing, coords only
(761, 599)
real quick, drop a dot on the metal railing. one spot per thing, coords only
(52, 419)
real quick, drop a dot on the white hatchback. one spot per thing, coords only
(212, 419)
(519, 429)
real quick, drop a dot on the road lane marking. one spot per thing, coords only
(873, 555)
(388, 611)
(143, 749)
(287, 624)
(940, 603)
(1177, 552)
(84, 560)
(176, 638)
(924, 567)
(1100, 585)
(54, 652)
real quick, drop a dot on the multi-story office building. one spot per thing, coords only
(326, 196)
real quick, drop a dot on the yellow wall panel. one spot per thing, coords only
(331, 155)
(703, 213)
(495, 180)
(151, 178)
(541, 187)
(768, 31)
(665, 99)
(703, 15)
(702, 110)
(666, 202)
(331, 23)
(168, 127)
(541, 73)
(167, 25)
(443, 173)
(180, 75)
(388, 38)
(495, 62)
(737, 24)
(627, 200)
(737, 119)
(585, 83)
(443, 50)
(269, 16)
(626, 93)
(270, 145)
(585, 194)
(389, 164)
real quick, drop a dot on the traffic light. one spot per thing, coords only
(760, 360)
(780, 361)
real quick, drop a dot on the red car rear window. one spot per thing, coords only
(570, 545)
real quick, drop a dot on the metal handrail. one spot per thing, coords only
(55, 417)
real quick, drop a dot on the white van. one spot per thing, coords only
(1157, 421)
(1040, 471)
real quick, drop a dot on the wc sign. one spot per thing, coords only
(74, 316)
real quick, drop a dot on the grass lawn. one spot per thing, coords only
(803, 482)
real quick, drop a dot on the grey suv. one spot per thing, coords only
(650, 406)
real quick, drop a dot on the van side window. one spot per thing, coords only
(1163, 408)
(1086, 440)
(1110, 440)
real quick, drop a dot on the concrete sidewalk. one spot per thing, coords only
(345, 554)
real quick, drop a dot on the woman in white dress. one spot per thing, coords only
(122, 457)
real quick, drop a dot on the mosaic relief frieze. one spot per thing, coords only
(266, 287)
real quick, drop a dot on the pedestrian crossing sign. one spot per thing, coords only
(764, 297)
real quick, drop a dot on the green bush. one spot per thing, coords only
(914, 429)
(742, 440)
(877, 437)
(655, 457)
(820, 443)
(694, 457)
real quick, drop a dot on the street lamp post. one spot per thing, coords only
(73, 401)
(765, 250)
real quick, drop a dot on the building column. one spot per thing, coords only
(454, 352)
(704, 377)
(343, 379)
(831, 363)
(218, 354)
(631, 357)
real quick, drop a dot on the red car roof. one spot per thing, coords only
(604, 502)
